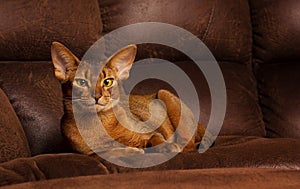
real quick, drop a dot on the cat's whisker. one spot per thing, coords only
(76, 100)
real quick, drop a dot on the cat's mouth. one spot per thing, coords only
(105, 106)
(100, 106)
(89, 105)
(92, 105)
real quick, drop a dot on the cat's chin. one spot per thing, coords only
(101, 108)
(106, 107)
(91, 108)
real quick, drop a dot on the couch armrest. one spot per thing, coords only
(13, 142)
(49, 166)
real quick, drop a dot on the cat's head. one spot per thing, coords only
(90, 90)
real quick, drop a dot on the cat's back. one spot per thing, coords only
(143, 107)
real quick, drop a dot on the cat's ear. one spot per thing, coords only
(122, 61)
(63, 60)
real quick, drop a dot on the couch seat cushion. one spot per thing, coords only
(228, 151)
(206, 178)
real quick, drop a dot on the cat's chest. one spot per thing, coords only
(93, 132)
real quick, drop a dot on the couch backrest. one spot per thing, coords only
(28, 28)
(276, 54)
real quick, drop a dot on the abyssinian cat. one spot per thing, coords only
(105, 99)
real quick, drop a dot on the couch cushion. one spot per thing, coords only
(276, 48)
(49, 166)
(37, 99)
(13, 143)
(224, 26)
(27, 28)
(276, 30)
(280, 98)
(200, 178)
(228, 151)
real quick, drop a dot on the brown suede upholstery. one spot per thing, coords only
(49, 166)
(13, 142)
(205, 19)
(255, 42)
(228, 152)
(206, 178)
(28, 28)
(36, 97)
(276, 31)
(276, 59)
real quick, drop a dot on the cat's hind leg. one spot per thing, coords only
(179, 113)
(157, 143)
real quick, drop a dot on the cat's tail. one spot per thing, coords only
(203, 138)
(200, 133)
(175, 107)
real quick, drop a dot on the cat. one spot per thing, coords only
(85, 99)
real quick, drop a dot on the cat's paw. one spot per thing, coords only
(133, 151)
(206, 142)
(164, 148)
(126, 151)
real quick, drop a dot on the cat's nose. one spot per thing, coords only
(97, 97)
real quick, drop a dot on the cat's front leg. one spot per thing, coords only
(157, 143)
(120, 151)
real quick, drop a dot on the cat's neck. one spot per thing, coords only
(108, 117)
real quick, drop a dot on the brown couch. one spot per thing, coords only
(256, 43)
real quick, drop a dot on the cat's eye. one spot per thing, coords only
(108, 82)
(81, 82)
